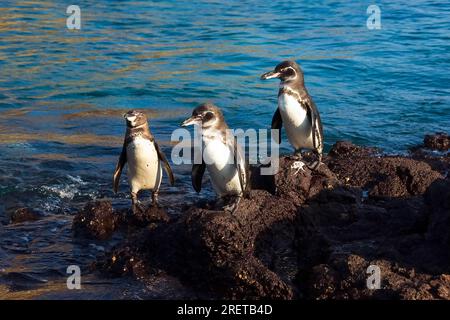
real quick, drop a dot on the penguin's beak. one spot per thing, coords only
(192, 120)
(270, 75)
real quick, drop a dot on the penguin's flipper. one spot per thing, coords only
(316, 125)
(163, 159)
(197, 175)
(119, 167)
(239, 160)
(277, 123)
(318, 130)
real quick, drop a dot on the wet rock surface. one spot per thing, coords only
(23, 215)
(303, 234)
(439, 141)
(388, 176)
(97, 220)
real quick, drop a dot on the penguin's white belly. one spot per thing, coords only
(222, 170)
(296, 122)
(144, 169)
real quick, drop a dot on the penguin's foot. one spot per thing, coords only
(298, 165)
(230, 204)
(314, 165)
(137, 207)
(296, 156)
(155, 200)
(155, 204)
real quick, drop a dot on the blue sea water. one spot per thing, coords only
(62, 92)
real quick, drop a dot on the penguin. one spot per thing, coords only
(297, 111)
(145, 159)
(222, 157)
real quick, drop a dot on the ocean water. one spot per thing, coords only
(62, 92)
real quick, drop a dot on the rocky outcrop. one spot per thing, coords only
(23, 215)
(306, 234)
(439, 141)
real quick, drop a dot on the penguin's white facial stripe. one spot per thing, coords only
(291, 70)
(131, 118)
(209, 119)
(135, 119)
(288, 68)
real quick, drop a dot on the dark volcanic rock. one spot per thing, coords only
(394, 229)
(343, 149)
(143, 217)
(97, 220)
(310, 234)
(438, 141)
(434, 152)
(381, 176)
(128, 259)
(345, 278)
(298, 184)
(215, 250)
(23, 215)
(438, 201)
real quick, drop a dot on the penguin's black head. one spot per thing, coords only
(135, 118)
(206, 116)
(285, 71)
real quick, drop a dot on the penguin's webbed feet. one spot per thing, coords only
(297, 155)
(316, 163)
(155, 199)
(230, 204)
(299, 163)
(137, 207)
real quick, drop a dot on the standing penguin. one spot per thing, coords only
(145, 158)
(297, 111)
(221, 156)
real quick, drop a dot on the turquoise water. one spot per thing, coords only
(62, 92)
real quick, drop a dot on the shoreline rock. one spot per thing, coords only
(439, 141)
(23, 215)
(309, 235)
